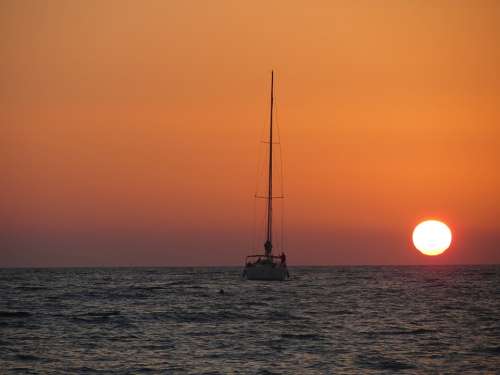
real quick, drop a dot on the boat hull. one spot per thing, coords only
(265, 272)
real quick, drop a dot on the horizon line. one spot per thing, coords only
(235, 266)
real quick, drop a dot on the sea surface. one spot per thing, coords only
(342, 320)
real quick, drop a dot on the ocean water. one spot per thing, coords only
(343, 320)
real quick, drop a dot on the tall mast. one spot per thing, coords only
(268, 246)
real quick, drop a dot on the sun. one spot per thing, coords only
(432, 237)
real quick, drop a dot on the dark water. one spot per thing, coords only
(347, 320)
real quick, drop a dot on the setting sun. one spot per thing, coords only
(432, 237)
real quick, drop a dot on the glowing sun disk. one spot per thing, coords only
(432, 237)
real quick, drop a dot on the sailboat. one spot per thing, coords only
(267, 266)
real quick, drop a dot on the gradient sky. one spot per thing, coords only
(130, 129)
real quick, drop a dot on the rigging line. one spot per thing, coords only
(283, 223)
(268, 244)
(262, 179)
(260, 176)
(280, 146)
(282, 173)
(259, 231)
(260, 162)
(254, 228)
(282, 170)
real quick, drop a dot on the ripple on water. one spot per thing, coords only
(14, 314)
(378, 362)
(350, 320)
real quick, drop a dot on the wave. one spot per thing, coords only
(150, 288)
(113, 316)
(27, 357)
(418, 331)
(301, 336)
(383, 363)
(267, 372)
(14, 314)
(488, 349)
(284, 315)
(32, 287)
(201, 317)
(104, 314)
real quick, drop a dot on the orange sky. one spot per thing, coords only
(130, 129)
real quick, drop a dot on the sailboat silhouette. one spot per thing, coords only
(268, 266)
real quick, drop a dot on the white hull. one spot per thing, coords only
(265, 272)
